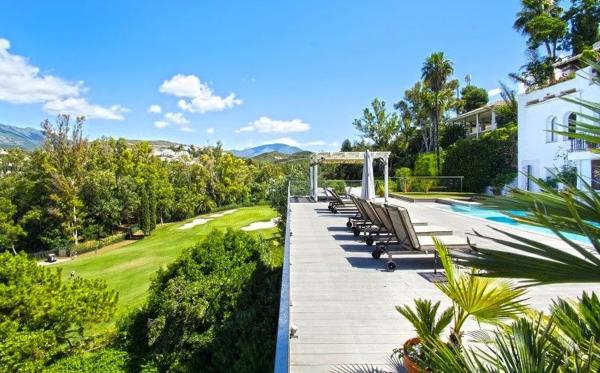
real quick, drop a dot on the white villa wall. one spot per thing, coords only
(534, 147)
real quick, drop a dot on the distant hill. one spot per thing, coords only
(276, 157)
(17, 137)
(268, 148)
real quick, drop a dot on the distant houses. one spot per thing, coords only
(542, 153)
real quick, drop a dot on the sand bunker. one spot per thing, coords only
(194, 222)
(261, 225)
(223, 213)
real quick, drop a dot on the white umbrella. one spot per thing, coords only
(368, 181)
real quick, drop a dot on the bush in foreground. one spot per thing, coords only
(212, 310)
(43, 317)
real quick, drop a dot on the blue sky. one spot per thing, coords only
(244, 72)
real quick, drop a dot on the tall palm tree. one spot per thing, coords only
(436, 71)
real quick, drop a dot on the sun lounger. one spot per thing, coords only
(408, 241)
(339, 204)
(423, 229)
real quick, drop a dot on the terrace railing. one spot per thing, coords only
(282, 350)
(428, 183)
(580, 145)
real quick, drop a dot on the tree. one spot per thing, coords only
(452, 133)
(43, 316)
(584, 18)
(415, 110)
(507, 113)
(214, 309)
(473, 98)
(377, 125)
(436, 71)
(541, 21)
(10, 231)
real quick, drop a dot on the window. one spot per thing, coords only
(571, 126)
(551, 126)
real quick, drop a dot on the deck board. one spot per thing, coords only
(343, 300)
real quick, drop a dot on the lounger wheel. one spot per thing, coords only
(335, 211)
(349, 224)
(356, 232)
(376, 253)
(369, 241)
(391, 266)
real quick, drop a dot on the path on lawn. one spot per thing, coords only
(130, 267)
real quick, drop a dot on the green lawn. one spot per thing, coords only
(130, 269)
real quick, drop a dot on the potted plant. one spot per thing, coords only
(428, 326)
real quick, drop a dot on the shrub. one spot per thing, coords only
(500, 180)
(379, 188)
(43, 316)
(480, 160)
(338, 185)
(213, 310)
(405, 180)
(425, 165)
(104, 361)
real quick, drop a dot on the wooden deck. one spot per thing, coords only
(343, 300)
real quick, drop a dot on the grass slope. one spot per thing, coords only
(130, 269)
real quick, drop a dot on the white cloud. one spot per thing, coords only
(176, 118)
(494, 92)
(160, 124)
(79, 106)
(268, 125)
(187, 129)
(155, 109)
(201, 97)
(210, 131)
(22, 83)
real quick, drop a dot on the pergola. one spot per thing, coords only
(342, 158)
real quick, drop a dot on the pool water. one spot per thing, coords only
(497, 216)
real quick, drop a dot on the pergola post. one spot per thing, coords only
(477, 125)
(493, 119)
(310, 180)
(316, 185)
(385, 179)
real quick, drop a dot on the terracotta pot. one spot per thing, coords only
(410, 365)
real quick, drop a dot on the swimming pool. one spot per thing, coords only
(497, 216)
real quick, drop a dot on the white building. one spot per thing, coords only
(542, 153)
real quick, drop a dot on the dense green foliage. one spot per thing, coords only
(213, 310)
(43, 316)
(480, 160)
(73, 190)
(473, 98)
(103, 361)
(549, 29)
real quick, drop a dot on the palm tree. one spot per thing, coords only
(436, 71)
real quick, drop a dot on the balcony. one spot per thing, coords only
(580, 145)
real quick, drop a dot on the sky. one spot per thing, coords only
(242, 72)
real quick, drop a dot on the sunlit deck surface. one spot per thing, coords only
(343, 300)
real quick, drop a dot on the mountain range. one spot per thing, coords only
(31, 138)
(267, 148)
(17, 137)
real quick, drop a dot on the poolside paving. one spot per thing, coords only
(343, 300)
